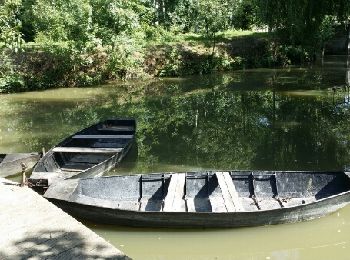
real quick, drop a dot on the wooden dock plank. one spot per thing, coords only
(229, 193)
(86, 150)
(31, 227)
(173, 201)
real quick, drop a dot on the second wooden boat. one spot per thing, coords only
(203, 199)
(90, 152)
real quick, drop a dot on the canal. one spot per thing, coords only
(268, 119)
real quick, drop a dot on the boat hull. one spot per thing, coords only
(203, 199)
(205, 219)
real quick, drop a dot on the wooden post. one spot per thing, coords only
(24, 178)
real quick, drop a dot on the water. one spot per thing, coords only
(295, 119)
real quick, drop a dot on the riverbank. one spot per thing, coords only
(32, 227)
(52, 65)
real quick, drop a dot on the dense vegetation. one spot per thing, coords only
(50, 43)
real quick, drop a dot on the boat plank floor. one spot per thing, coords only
(91, 158)
(76, 166)
(174, 199)
(229, 192)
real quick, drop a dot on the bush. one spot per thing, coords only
(181, 60)
(125, 59)
(56, 65)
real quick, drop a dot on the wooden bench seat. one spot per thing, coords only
(173, 201)
(86, 150)
(229, 192)
(103, 136)
(116, 128)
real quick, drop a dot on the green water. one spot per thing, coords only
(295, 119)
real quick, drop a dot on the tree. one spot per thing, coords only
(62, 20)
(112, 18)
(10, 25)
(300, 22)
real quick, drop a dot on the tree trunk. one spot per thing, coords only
(156, 22)
(214, 44)
(348, 72)
(348, 37)
(348, 61)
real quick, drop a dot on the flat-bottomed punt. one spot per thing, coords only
(203, 199)
(88, 153)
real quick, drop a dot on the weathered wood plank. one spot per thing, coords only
(102, 136)
(90, 158)
(174, 199)
(190, 205)
(229, 193)
(86, 150)
(116, 128)
(217, 204)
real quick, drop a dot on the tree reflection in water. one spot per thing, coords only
(260, 119)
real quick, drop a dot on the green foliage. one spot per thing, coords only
(125, 59)
(62, 20)
(182, 60)
(305, 23)
(111, 18)
(82, 42)
(9, 80)
(326, 30)
(244, 16)
(10, 25)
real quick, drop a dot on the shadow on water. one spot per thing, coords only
(56, 244)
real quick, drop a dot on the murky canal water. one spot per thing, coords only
(295, 119)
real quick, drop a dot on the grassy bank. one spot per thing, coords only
(63, 64)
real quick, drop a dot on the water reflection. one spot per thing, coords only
(325, 238)
(200, 122)
(296, 119)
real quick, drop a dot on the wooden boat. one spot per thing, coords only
(90, 152)
(11, 164)
(203, 199)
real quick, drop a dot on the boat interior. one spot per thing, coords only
(89, 147)
(208, 191)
